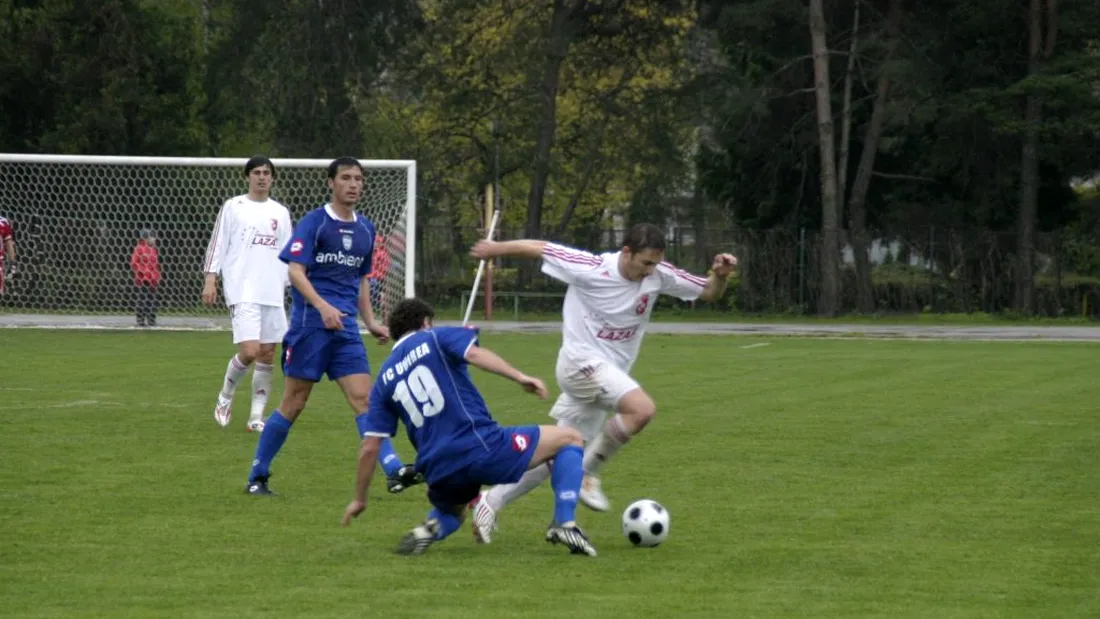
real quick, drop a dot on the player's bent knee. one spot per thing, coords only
(248, 352)
(572, 436)
(637, 408)
(266, 354)
(356, 388)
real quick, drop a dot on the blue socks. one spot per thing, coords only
(271, 441)
(448, 523)
(565, 478)
(391, 462)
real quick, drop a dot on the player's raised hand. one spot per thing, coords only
(332, 317)
(723, 264)
(353, 510)
(533, 385)
(483, 250)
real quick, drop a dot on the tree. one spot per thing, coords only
(114, 77)
(1040, 48)
(830, 200)
(857, 201)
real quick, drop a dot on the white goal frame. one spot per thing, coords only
(217, 319)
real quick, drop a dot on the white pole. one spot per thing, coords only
(480, 270)
(410, 231)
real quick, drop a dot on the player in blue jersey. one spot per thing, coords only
(426, 384)
(329, 258)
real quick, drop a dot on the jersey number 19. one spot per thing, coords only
(420, 395)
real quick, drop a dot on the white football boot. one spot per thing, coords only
(255, 425)
(485, 519)
(223, 411)
(591, 495)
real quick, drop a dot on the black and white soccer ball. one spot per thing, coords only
(645, 523)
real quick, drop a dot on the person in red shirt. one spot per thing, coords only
(380, 265)
(7, 250)
(145, 264)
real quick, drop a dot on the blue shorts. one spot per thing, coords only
(508, 457)
(310, 353)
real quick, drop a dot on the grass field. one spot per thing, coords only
(805, 478)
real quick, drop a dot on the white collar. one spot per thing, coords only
(332, 214)
(404, 337)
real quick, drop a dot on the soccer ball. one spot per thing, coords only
(645, 523)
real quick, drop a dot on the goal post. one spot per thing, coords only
(77, 219)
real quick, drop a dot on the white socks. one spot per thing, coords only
(261, 384)
(606, 445)
(261, 387)
(499, 496)
(233, 374)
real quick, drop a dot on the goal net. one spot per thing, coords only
(77, 219)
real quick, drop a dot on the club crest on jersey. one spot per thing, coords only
(274, 224)
(347, 242)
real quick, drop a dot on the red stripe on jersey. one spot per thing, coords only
(575, 257)
(682, 274)
(214, 241)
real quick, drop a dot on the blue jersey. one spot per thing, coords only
(337, 255)
(426, 384)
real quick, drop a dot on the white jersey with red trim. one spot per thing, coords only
(604, 315)
(244, 247)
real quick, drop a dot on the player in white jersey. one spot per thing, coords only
(608, 303)
(244, 248)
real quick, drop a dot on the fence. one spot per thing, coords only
(919, 270)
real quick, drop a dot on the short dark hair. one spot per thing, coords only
(644, 236)
(256, 161)
(409, 316)
(340, 162)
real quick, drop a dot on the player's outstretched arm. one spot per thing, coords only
(526, 248)
(491, 362)
(364, 472)
(720, 271)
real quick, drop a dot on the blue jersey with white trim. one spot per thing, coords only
(337, 254)
(426, 384)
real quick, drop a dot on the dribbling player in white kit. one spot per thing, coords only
(608, 304)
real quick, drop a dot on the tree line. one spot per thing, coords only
(862, 121)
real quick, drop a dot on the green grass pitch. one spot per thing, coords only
(805, 478)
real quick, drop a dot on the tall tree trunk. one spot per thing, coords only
(846, 112)
(558, 48)
(1038, 49)
(830, 247)
(857, 203)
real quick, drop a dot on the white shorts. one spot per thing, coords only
(253, 322)
(588, 392)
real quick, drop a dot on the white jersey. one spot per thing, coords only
(605, 315)
(244, 248)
